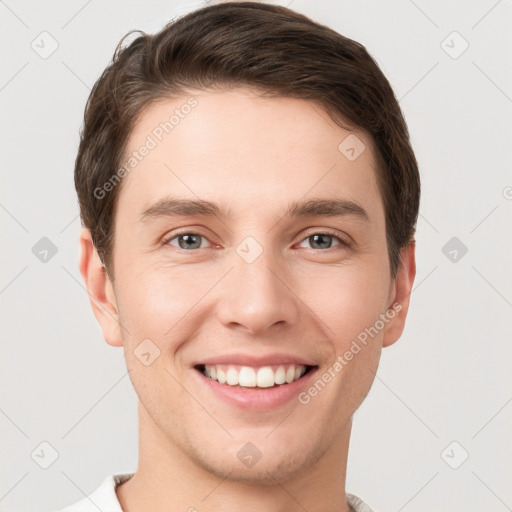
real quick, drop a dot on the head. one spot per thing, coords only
(247, 189)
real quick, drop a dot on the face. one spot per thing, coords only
(250, 260)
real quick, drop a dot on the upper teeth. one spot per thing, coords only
(247, 376)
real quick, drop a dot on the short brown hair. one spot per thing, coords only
(269, 48)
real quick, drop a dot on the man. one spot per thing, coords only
(249, 198)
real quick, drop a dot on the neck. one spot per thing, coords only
(166, 478)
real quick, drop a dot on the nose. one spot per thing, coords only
(257, 295)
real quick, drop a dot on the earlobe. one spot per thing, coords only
(100, 289)
(403, 283)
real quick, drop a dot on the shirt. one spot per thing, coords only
(104, 498)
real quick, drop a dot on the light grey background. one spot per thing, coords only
(448, 378)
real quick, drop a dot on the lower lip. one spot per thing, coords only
(257, 399)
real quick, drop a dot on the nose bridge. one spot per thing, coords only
(256, 296)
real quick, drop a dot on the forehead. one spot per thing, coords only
(237, 147)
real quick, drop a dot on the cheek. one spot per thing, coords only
(349, 302)
(350, 305)
(155, 309)
(348, 299)
(159, 302)
(156, 299)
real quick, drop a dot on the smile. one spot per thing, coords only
(254, 377)
(255, 388)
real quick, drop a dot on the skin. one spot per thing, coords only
(253, 155)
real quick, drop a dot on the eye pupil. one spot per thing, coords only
(319, 238)
(191, 241)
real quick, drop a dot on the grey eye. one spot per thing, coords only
(188, 241)
(321, 240)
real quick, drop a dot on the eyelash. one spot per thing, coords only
(342, 243)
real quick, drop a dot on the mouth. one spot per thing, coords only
(262, 377)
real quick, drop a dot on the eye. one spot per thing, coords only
(323, 240)
(187, 241)
(319, 240)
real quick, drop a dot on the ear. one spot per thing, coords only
(401, 293)
(100, 289)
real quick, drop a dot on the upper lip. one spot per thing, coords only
(253, 360)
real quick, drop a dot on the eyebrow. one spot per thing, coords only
(174, 207)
